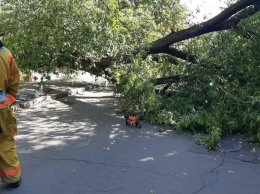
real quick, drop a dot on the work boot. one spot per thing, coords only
(16, 184)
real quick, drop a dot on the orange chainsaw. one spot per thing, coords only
(132, 120)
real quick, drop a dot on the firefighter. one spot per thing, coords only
(9, 83)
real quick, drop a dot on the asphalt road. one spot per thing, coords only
(81, 145)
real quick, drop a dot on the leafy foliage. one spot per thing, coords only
(46, 34)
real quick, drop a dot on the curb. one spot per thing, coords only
(29, 101)
(56, 94)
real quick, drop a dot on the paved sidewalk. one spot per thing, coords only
(80, 144)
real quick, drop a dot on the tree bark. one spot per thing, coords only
(225, 20)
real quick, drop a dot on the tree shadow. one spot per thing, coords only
(91, 133)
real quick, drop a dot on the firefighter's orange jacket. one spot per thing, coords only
(9, 76)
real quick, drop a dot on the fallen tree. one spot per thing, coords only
(202, 78)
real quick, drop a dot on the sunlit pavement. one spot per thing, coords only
(80, 144)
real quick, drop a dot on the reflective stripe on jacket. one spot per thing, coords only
(9, 101)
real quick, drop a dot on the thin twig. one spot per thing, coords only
(242, 101)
